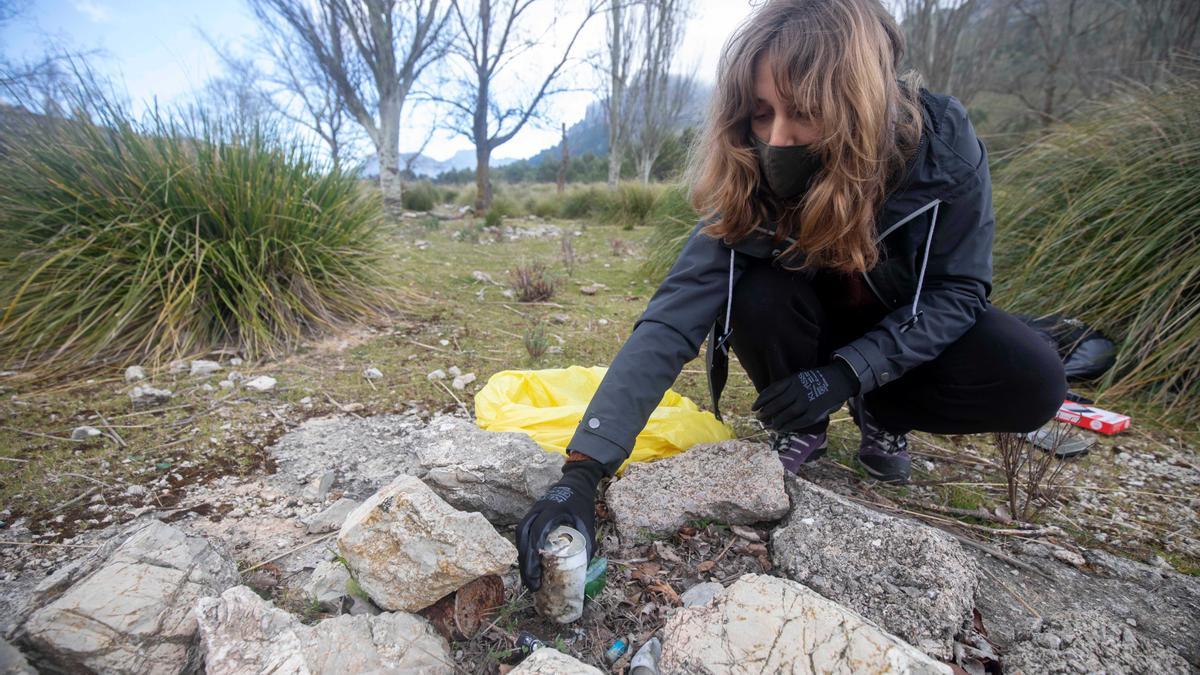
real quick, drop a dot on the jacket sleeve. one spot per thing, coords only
(958, 275)
(666, 336)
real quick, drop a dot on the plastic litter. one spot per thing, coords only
(595, 577)
(645, 661)
(548, 404)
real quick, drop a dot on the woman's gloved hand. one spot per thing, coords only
(571, 501)
(801, 399)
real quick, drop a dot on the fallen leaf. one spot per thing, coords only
(705, 566)
(645, 571)
(668, 592)
(664, 551)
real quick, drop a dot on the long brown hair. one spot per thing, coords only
(836, 61)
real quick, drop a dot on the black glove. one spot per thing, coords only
(801, 399)
(571, 501)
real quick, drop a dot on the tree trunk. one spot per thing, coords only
(483, 182)
(566, 157)
(388, 150)
(645, 165)
(617, 84)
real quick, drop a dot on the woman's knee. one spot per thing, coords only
(1038, 379)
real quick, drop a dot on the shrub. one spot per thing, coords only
(1099, 220)
(1033, 476)
(504, 206)
(531, 283)
(631, 204)
(547, 207)
(126, 241)
(494, 218)
(419, 196)
(584, 202)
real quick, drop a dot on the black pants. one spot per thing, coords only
(999, 376)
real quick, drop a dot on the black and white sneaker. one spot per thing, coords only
(884, 455)
(796, 449)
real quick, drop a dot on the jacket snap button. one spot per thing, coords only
(885, 376)
(593, 423)
(775, 252)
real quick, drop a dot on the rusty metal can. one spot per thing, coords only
(564, 575)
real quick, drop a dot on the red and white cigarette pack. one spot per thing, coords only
(1093, 418)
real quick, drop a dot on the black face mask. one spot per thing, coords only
(786, 169)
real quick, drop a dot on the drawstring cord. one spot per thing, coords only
(728, 306)
(908, 323)
(912, 321)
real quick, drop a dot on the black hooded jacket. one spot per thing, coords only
(935, 275)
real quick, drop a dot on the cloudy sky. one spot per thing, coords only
(156, 49)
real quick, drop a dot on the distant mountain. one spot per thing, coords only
(587, 135)
(428, 166)
(591, 133)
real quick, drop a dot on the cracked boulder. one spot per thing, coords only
(915, 581)
(497, 473)
(242, 633)
(407, 547)
(131, 613)
(733, 482)
(764, 624)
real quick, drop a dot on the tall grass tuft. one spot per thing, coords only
(141, 241)
(1100, 220)
(673, 220)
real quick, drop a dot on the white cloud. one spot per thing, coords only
(94, 11)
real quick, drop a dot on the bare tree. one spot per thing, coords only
(372, 52)
(953, 43)
(411, 160)
(237, 97)
(1060, 34)
(60, 83)
(564, 161)
(307, 95)
(661, 98)
(621, 33)
(1151, 38)
(490, 38)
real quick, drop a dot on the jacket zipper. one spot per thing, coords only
(908, 167)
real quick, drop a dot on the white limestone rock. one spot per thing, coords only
(764, 624)
(407, 547)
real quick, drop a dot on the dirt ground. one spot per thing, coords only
(1135, 494)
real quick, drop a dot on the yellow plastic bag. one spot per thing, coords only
(548, 404)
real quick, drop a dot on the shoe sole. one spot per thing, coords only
(881, 477)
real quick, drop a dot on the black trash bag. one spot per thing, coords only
(1086, 353)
